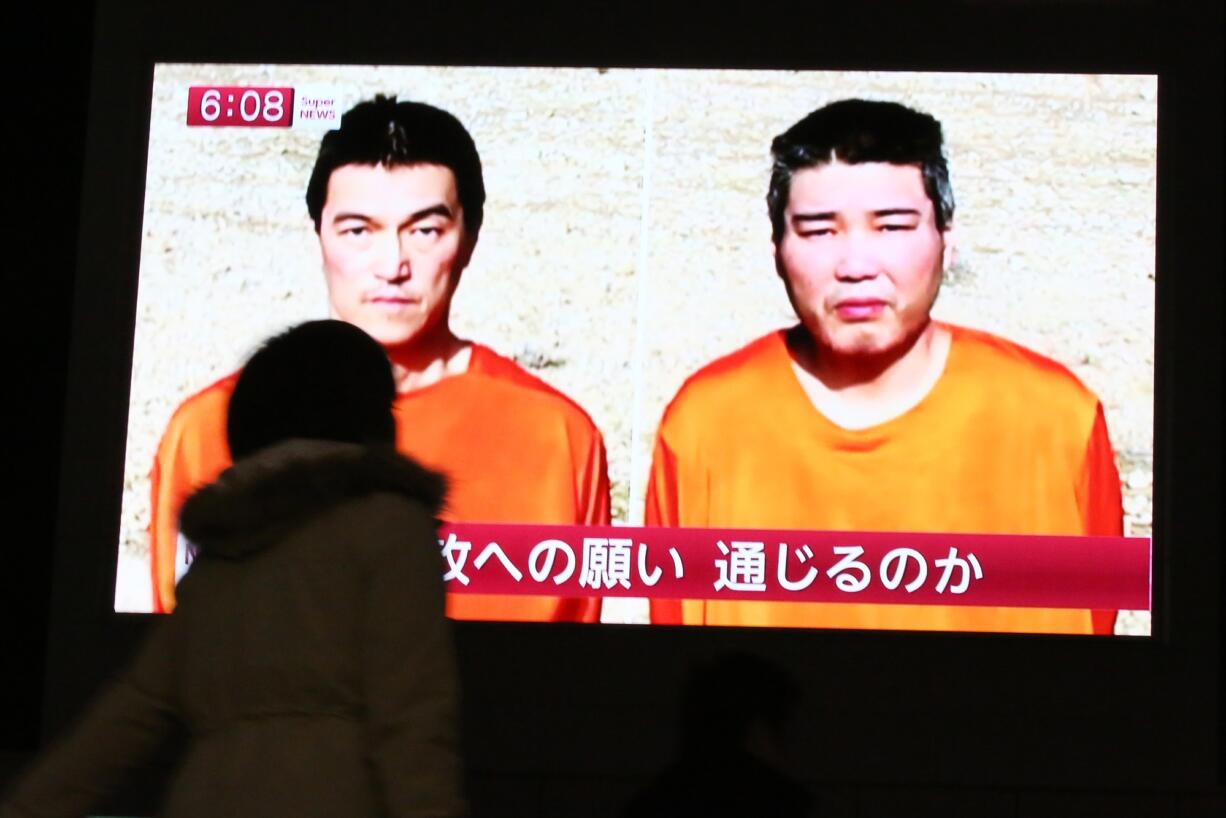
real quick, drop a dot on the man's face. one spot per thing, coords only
(393, 245)
(861, 255)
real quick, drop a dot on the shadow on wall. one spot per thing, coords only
(736, 711)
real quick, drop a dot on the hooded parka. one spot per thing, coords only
(309, 658)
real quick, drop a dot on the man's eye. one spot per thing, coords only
(356, 230)
(895, 228)
(428, 230)
(817, 231)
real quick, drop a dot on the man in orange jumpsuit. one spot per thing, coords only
(397, 199)
(868, 415)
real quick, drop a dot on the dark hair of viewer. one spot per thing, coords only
(854, 131)
(325, 380)
(395, 134)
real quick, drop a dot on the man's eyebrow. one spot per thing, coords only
(342, 216)
(830, 215)
(439, 209)
(433, 210)
(822, 216)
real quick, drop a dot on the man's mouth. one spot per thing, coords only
(859, 309)
(392, 300)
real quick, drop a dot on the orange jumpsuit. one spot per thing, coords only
(514, 448)
(1007, 441)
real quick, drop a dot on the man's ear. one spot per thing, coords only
(778, 259)
(950, 254)
(465, 253)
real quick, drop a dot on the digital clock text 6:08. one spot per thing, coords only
(251, 105)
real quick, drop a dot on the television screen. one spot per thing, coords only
(878, 398)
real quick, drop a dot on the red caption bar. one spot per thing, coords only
(240, 106)
(798, 566)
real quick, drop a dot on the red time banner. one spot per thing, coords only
(799, 566)
(240, 106)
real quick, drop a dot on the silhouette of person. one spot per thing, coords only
(309, 658)
(733, 749)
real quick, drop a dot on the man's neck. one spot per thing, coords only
(859, 391)
(427, 361)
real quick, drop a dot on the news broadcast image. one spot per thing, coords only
(626, 242)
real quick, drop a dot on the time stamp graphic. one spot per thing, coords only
(246, 106)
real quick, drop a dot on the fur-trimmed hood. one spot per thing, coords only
(259, 499)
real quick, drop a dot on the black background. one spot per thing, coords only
(1056, 707)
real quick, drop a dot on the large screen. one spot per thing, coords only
(626, 278)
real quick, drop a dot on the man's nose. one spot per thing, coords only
(857, 258)
(395, 263)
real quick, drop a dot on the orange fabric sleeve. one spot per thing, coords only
(161, 591)
(192, 453)
(1099, 495)
(593, 484)
(661, 501)
(595, 505)
(1100, 499)
(661, 510)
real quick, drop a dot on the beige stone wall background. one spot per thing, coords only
(626, 241)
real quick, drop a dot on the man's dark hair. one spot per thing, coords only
(854, 131)
(394, 134)
(324, 380)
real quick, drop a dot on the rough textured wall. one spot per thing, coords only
(626, 241)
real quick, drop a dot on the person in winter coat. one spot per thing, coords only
(309, 658)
